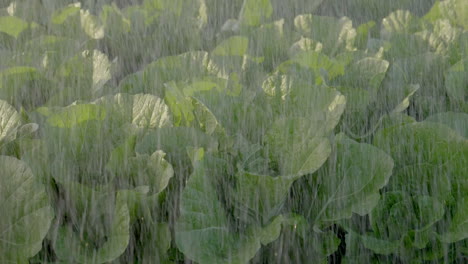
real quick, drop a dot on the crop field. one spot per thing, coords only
(234, 131)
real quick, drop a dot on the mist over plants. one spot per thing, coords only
(244, 131)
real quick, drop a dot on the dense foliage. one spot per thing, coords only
(258, 131)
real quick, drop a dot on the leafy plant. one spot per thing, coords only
(260, 131)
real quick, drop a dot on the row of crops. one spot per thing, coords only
(254, 131)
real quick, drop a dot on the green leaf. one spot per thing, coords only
(12, 26)
(141, 170)
(367, 73)
(405, 74)
(203, 232)
(91, 26)
(70, 247)
(183, 67)
(233, 46)
(317, 61)
(297, 140)
(442, 38)
(409, 91)
(174, 141)
(27, 213)
(16, 83)
(298, 146)
(9, 122)
(456, 81)
(114, 21)
(380, 246)
(456, 121)
(84, 76)
(60, 16)
(458, 229)
(259, 198)
(429, 158)
(180, 105)
(101, 70)
(399, 22)
(155, 243)
(336, 35)
(73, 115)
(351, 180)
(456, 11)
(141, 110)
(304, 44)
(405, 218)
(255, 12)
(363, 34)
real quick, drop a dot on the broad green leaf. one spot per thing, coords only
(114, 21)
(156, 241)
(304, 44)
(138, 202)
(456, 81)
(141, 170)
(269, 42)
(203, 231)
(442, 38)
(298, 146)
(321, 106)
(396, 119)
(404, 45)
(141, 110)
(356, 99)
(363, 34)
(206, 120)
(399, 22)
(355, 250)
(9, 122)
(297, 142)
(180, 67)
(67, 21)
(31, 11)
(73, 115)
(101, 70)
(12, 26)
(183, 67)
(425, 70)
(456, 121)
(456, 11)
(174, 141)
(259, 198)
(16, 85)
(367, 73)
(60, 16)
(336, 35)
(350, 181)
(233, 46)
(409, 91)
(84, 76)
(289, 75)
(50, 51)
(180, 105)
(255, 12)
(91, 26)
(27, 213)
(380, 246)
(404, 218)
(317, 61)
(70, 247)
(434, 13)
(458, 229)
(429, 158)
